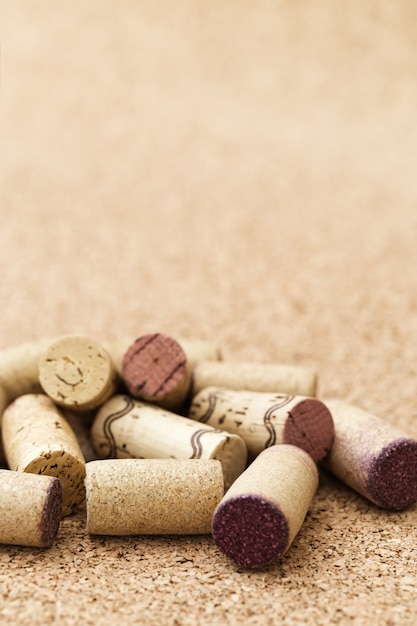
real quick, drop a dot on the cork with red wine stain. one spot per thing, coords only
(265, 419)
(155, 369)
(31, 508)
(260, 515)
(373, 457)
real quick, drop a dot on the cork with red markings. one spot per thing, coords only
(264, 419)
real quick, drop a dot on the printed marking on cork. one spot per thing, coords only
(259, 516)
(155, 369)
(264, 419)
(77, 373)
(371, 455)
(124, 427)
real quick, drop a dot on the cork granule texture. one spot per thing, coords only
(237, 171)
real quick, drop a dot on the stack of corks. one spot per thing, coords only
(183, 442)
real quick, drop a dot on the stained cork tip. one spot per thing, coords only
(154, 366)
(250, 530)
(392, 476)
(51, 513)
(310, 427)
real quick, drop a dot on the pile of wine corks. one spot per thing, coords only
(184, 442)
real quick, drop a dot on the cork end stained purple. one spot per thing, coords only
(392, 475)
(250, 530)
(51, 513)
(310, 427)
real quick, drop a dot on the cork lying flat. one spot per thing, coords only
(37, 439)
(373, 457)
(262, 512)
(124, 427)
(77, 373)
(31, 509)
(152, 496)
(264, 419)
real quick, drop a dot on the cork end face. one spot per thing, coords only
(250, 530)
(392, 477)
(51, 513)
(310, 427)
(154, 366)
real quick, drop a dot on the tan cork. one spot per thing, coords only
(19, 368)
(77, 372)
(260, 515)
(127, 428)
(31, 509)
(152, 496)
(269, 377)
(374, 457)
(263, 419)
(37, 439)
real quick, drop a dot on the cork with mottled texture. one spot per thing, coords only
(255, 376)
(152, 496)
(264, 419)
(38, 439)
(31, 508)
(260, 515)
(124, 427)
(77, 372)
(373, 457)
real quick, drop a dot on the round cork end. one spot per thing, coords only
(51, 513)
(392, 477)
(250, 530)
(154, 366)
(77, 373)
(310, 427)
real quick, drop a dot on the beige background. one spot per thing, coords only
(243, 171)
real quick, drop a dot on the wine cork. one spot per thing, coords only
(77, 372)
(124, 427)
(260, 515)
(152, 496)
(3, 404)
(195, 350)
(263, 419)
(267, 377)
(31, 509)
(19, 369)
(155, 369)
(373, 457)
(37, 439)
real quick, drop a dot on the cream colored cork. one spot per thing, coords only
(77, 372)
(152, 496)
(155, 369)
(373, 456)
(260, 515)
(127, 428)
(267, 377)
(31, 509)
(37, 439)
(19, 368)
(263, 419)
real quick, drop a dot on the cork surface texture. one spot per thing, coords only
(243, 172)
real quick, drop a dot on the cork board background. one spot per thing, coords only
(232, 170)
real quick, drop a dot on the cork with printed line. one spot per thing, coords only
(125, 427)
(263, 419)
